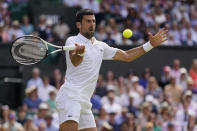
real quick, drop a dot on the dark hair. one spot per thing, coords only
(82, 12)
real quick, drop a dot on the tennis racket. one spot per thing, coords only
(29, 49)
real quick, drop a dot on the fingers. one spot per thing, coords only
(79, 48)
(150, 35)
(164, 40)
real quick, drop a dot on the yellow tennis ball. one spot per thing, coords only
(127, 33)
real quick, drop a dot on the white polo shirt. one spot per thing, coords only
(80, 81)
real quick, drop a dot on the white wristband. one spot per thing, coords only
(81, 54)
(147, 46)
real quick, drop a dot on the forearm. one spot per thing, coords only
(135, 53)
(132, 54)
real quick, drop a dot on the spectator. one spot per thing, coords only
(43, 91)
(31, 100)
(61, 30)
(21, 116)
(3, 34)
(49, 123)
(5, 113)
(91, 4)
(173, 91)
(153, 88)
(182, 81)
(51, 100)
(35, 80)
(165, 77)
(29, 125)
(26, 26)
(109, 40)
(42, 27)
(176, 69)
(15, 31)
(101, 89)
(145, 76)
(12, 124)
(39, 118)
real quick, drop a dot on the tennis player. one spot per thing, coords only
(83, 65)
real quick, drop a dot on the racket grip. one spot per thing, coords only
(68, 48)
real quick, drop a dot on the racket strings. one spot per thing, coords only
(28, 50)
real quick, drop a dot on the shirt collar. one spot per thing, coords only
(85, 39)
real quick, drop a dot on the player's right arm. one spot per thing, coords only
(76, 56)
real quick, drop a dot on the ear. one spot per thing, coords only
(78, 24)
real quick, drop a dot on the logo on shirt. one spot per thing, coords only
(101, 50)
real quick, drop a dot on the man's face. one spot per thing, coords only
(87, 26)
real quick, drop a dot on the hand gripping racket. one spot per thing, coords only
(29, 49)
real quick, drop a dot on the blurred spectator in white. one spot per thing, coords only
(12, 124)
(137, 89)
(182, 81)
(153, 88)
(122, 92)
(49, 122)
(15, 31)
(165, 76)
(71, 3)
(191, 124)
(31, 100)
(186, 36)
(173, 92)
(172, 41)
(101, 34)
(43, 91)
(117, 36)
(193, 72)
(160, 17)
(120, 118)
(3, 34)
(101, 89)
(180, 12)
(175, 70)
(51, 100)
(49, 30)
(110, 103)
(194, 34)
(176, 33)
(35, 80)
(106, 127)
(190, 86)
(41, 114)
(144, 114)
(91, 4)
(42, 27)
(131, 107)
(111, 24)
(5, 110)
(29, 125)
(126, 41)
(61, 30)
(26, 26)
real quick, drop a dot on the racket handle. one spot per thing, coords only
(68, 48)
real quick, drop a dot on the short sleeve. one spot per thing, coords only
(109, 52)
(69, 42)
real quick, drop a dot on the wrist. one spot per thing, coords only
(147, 46)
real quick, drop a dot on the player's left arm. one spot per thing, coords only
(132, 54)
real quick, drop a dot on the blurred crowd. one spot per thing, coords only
(113, 16)
(134, 102)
